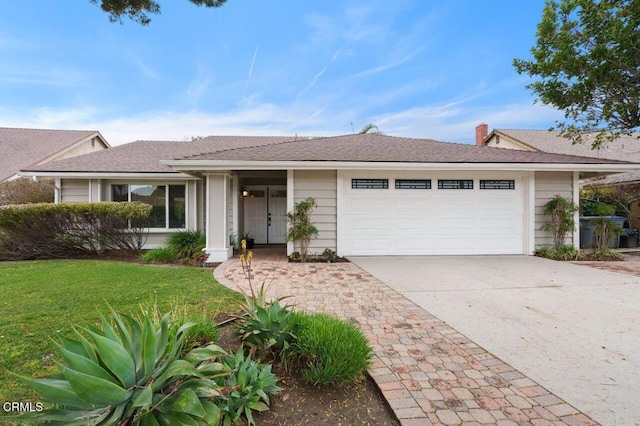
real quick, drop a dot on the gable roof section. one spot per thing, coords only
(382, 148)
(22, 148)
(626, 148)
(146, 156)
(156, 157)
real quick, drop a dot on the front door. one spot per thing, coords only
(265, 214)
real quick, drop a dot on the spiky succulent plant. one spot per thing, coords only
(132, 373)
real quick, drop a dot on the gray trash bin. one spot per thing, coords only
(588, 226)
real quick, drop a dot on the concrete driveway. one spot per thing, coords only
(571, 328)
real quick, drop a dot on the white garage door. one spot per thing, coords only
(431, 216)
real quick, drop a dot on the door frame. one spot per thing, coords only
(267, 190)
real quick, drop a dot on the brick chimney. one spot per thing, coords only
(482, 131)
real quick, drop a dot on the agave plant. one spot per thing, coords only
(267, 327)
(265, 323)
(131, 373)
(246, 391)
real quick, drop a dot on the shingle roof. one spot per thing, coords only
(145, 156)
(383, 148)
(21, 148)
(626, 148)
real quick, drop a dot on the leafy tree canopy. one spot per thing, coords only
(586, 62)
(139, 10)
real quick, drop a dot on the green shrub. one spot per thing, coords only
(561, 211)
(604, 254)
(301, 230)
(187, 244)
(159, 255)
(330, 350)
(26, 191)
(42, 231)
(132, 373)
(246, 390)
(566, 252)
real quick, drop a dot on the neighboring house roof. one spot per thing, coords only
(625, 148)
(21, 148)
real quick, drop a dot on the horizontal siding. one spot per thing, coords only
(321, 185)
(548, 185)
(156, 239)
(74, 190)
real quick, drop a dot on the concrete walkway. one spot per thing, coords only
(428, 372)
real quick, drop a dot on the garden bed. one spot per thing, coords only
(300, 403)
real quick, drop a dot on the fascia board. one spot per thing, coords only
(99, 175)
(218, 165)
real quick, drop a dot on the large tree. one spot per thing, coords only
(139, 10)
(586, 62)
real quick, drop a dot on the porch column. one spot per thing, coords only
(218, 248)
(290, 204)
(576, 215)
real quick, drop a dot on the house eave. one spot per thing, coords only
(110, 175)
(219, 165)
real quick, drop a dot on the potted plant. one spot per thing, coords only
(248, 239)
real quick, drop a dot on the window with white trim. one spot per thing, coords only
(169, 207)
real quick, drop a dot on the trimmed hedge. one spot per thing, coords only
(42, 231)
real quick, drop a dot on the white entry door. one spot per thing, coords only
(265, 214)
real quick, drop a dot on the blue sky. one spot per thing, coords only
(427, 69)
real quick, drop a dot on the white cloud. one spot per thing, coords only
(144, 68)
(199, 84)
(314, 81)
(456, 122)
(389, 65)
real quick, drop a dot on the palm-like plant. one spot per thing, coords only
(131, 373)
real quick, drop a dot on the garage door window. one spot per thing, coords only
(455, 184)
(369, 183)
(497, 184)
(413, 183)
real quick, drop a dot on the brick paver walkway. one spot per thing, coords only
(428, 372)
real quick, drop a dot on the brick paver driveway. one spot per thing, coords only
(429, 372)
(572, 328)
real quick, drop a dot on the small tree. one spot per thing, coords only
(561, 211)
(605, 228)
(301, 229)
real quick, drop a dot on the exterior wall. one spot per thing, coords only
(548, 185)
(498, 141)
(321, 185)
(156, 239)
(74, 190)
(92, 145)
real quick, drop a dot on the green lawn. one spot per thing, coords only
(41, 299)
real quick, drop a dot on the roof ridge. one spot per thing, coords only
(48, 130)
(249, 146)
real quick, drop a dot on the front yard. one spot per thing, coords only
(42, 299)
